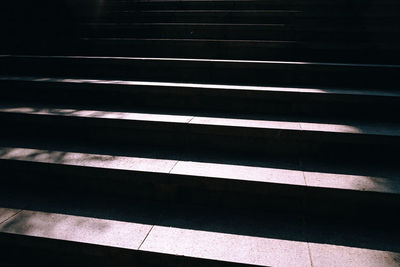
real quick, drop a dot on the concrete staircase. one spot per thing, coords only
(200, 133)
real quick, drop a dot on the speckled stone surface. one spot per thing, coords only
(77, 228)
(6, 214)
(227, 247)
(243, 237)
(87, 160)
(341, 256)
(353, 182)
(237, 172)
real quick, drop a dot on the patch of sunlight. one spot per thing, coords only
(214, 60)
(208, 86)
(239, 248)
(101, 114)
(336, 128)
(77, 228)
(343, 256)
(239, 172)
(87, 160)
(353, 182)
(383, 129)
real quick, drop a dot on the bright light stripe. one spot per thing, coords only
(212, 60)
(210, 86)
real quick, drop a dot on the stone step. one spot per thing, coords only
(64, 230)
(223, 31)
(60, 37)
(261, 136)
(379, 52)
(294, 16)
(193, 16)
(238, 72)
(267, 183)
(323, 51)
(358, 7)
(381, 105)
(359, 52)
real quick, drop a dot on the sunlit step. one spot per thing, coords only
(198, 70)
(185, 87)
(256, 136)
(251, 177)
(382, 129)
(146, 235)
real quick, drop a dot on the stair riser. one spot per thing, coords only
(360, 7)
(240, 16)
(251, 32)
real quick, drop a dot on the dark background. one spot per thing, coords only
(39, 26)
